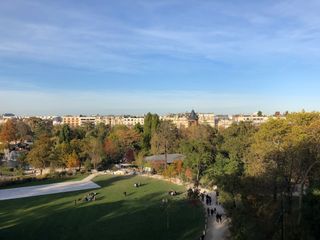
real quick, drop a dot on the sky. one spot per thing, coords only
(131, 57)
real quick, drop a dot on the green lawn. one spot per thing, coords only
(112, 216)
(77, 177)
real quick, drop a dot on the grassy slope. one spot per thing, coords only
(77, 177)
(113, 216)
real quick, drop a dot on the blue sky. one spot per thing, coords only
(59, 57)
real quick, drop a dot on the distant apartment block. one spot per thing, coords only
(184, 120)
(253, 118)
(72, 121)
(129, 121)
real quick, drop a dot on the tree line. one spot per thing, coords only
(258, 169)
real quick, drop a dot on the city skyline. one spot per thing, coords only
(60, 58)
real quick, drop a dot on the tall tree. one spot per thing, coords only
(40, 154)
(95, 151)
(165, 139)
(151, 123)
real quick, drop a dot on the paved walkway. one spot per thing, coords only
(216, 231)
(46, 189)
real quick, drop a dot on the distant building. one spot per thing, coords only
(129, 121)
(193, 119)
(57, 121)
(253, 118)
(223, 121)
(159, 161)
(72, 121)
(185, 120)
(180, 120)
(207, 118)
(6, 116)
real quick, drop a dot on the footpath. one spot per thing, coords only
(213, 230)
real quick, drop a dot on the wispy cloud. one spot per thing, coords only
(108, 43)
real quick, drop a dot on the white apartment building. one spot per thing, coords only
(255, 119)
(132, 121)
(129, 121)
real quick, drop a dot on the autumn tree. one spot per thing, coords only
(73, 160)
(9, 131)
(40, 154)
(121, 140)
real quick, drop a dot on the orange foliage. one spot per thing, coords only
(8, 131)
(188, 174)
(73, 161)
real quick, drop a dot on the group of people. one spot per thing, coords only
(211, 211)
(90, 197)
(206, 197)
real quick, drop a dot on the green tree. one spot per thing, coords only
(165, 139)
(95, 151)
(65, 134)
(151, 123)
(40, 154)
(23, 131)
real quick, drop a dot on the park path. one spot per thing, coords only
(216, 231)
(45, 189)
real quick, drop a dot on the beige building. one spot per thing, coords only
(180, 120)
(184, 120)
(206, 118)
(76, 121)
(253, 118)
(224, 123)
(132, 121)
(72, 121)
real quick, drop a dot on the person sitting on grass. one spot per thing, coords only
(172, 193)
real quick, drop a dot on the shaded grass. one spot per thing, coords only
(140, 215)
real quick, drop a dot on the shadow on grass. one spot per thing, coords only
(141, 217)
(111, 180)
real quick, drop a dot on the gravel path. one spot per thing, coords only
(216, 231)
(46, 189)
